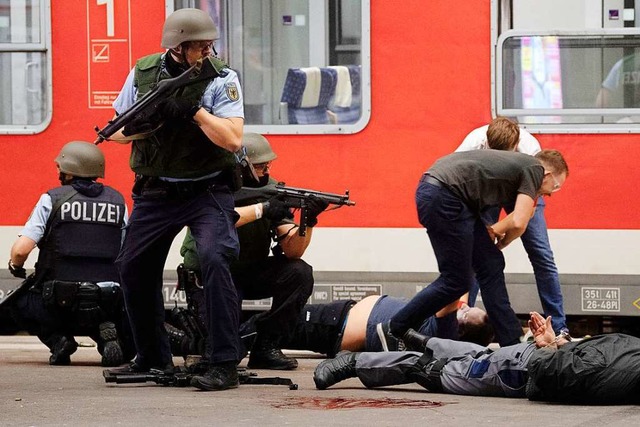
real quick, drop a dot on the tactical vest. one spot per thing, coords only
(179, 149)
(82, 238)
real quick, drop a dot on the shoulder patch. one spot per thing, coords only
(232, 91)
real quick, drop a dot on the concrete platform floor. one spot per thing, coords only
(32, 393)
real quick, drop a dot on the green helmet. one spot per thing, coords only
(81, 159)
(258, 148)
(186, 25)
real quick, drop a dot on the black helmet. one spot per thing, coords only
(81, 159)
(186, 25)
(258, 148)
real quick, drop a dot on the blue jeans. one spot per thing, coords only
(154, 223)
(461, 245)
(536, 242)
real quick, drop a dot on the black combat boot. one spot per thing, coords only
(220, 376)
(62, 351)
(111, 351)
(265, 354)
(332, 371)
(415, 341)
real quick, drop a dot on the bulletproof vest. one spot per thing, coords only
(179, 149)
(83, 236)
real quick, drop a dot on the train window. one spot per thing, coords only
(304, 66)
(567, 67)
(25, 64)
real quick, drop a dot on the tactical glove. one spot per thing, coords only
(16, 271)
(315, 206)
(275, 210)
(138, 126)
(178, 108)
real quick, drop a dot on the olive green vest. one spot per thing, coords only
(179, 149)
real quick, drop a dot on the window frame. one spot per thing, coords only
(365, 88)
(498, 108)
(44, 46)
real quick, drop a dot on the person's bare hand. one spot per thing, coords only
(541, 328)
(495, 237)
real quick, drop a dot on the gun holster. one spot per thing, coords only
(59, 293)
(186, 278)
(138, 184)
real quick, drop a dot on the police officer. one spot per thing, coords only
(74, 290)
(183, 177)
(284, 276)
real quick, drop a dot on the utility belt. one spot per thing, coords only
(74, 295)
(154, 187)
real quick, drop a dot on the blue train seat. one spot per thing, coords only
(306, 95)
(346, 102)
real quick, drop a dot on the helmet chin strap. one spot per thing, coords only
(181, 66)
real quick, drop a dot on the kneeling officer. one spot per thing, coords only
(78, 228)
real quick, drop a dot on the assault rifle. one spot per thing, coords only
(182, 378)
(148, 104)
(292, 197)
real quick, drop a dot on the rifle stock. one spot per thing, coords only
(148, 104)
(183, 378)
(292, 197)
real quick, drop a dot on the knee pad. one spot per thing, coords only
(426, 372)
(110, 298)
(88, 312)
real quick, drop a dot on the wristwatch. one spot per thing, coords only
(564, 335)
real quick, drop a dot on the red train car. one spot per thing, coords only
(419, 76)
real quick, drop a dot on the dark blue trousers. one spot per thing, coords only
(461, 245)
(154, 223)
(536, 242)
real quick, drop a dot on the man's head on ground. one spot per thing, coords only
(474, 325)
(79, 159)
(556, 171)
(503, 134)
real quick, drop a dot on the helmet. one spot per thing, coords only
(258, 148)
(81, 159)
(185, 25)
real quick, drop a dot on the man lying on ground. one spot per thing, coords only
(604, 369)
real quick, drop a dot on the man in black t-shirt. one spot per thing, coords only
(451, 198)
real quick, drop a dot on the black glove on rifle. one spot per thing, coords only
(178, 108)
(141, 125)
(315, 206)
(275, 210)
(16, 271)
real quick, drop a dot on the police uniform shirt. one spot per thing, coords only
(222, 97)
(37, 223)
(477, 140)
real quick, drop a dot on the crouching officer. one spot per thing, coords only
(263, 271)
(74, 291)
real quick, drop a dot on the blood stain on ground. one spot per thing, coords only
(350, 403)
